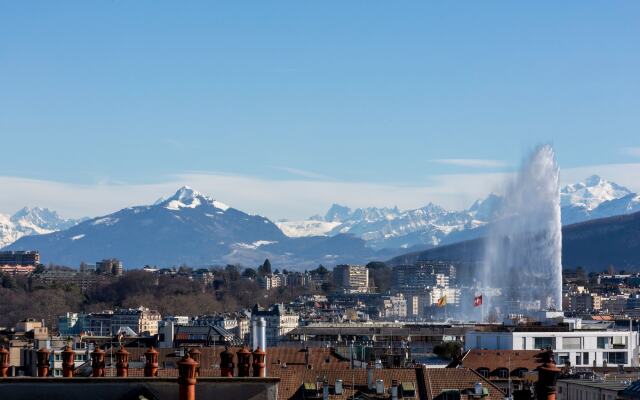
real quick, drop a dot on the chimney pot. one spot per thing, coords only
(68, 361)
(4, 362)
(122, 362)
(43, 362)
(226, 363)
(244, 362)
(259, 367)
(195, 354)
(187, 378)
(394, 389)
(151, 364)
(97, 362)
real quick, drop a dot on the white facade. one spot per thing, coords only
(580, 348)
(140, 320)
(395, 306)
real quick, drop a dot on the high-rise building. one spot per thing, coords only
(351, 278)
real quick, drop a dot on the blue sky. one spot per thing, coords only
(358, 102)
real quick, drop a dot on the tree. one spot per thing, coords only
(450, 350)
(249, 273)
(265, 268)
(232, 272)
(8, 281)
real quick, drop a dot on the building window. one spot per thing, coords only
(571, 343)
(503, 373)
(563, 358)
(478, 342)
(544, 343)
(484, 372)
(520, 372)
(585, 358)
(524, 343)
(578, 359)
(615, 357)
(604, 342)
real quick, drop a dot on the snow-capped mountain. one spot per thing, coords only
(188, 228)
(31, 221)
(392, 227)
(432, 225)
(581, 201)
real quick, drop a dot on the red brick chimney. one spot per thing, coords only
(151, 365)
(244, 362)
(226, 363)
(97, 362)
(68, 362)
(259, 366)
(42, 356)
(4, 362)
(187, 378)
(122, 362)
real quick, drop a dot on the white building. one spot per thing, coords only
(579, 347)
(140, 320)
(279, 322)
(395, 306)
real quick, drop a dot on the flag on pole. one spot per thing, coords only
(442, 301)
(477, 301)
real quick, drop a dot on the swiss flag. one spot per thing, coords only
(477, 301)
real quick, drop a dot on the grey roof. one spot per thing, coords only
(608, 385)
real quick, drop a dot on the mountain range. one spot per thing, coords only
(189, 227)
(433, 225)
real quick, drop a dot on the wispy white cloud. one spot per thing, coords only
(293, 199)
(471, 162)
(302, 173)
(631, 151)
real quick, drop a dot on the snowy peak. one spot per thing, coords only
(337, 213)
(187, 197)
(31, 221)
(592, 192)
(42, 218)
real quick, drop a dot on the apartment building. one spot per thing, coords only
(580, 347)
(351, 278)
(140, 320)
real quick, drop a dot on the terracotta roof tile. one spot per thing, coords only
(438, 380)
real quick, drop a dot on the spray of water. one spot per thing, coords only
(523, 262)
